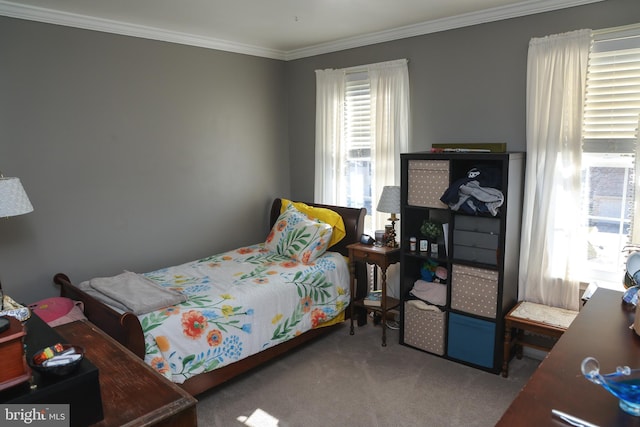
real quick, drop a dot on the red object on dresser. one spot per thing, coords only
(15, 369)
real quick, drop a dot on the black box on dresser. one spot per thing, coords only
(79, 389)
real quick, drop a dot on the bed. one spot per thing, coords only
(239, 333)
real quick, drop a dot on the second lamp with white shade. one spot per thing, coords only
(390, 203)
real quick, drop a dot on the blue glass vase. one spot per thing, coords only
(623, 384)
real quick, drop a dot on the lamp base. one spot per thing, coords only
(390, 231)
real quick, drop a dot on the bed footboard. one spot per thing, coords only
(123, 327)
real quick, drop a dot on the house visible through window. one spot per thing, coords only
(610, 144)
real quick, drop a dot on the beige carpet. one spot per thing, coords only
(344, 380)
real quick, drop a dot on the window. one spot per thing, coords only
(362, 126)
(582, 130)
(610, 135)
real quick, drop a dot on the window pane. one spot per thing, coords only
(606, 192)
(358, 179)
(608, 197)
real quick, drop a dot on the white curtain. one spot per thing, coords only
(330, 85)
(389, 83)
(390, 113)
(551, 237)
(390, 116)
(390, 110)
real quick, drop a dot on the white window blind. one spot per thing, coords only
(358, 111)
(612, 107)
(358, 140)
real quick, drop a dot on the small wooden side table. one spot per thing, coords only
(383, 257)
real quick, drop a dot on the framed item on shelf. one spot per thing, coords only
(481, 147)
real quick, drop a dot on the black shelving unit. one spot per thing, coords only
(480, 253)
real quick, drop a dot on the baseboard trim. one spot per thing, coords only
(534, 353)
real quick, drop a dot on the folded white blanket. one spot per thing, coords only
(137, 293)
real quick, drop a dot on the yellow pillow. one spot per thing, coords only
(325, 215)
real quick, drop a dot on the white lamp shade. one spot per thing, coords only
(389, 200)
(13, 199)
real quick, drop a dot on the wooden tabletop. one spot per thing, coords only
(132, 393)
(601, 330)
(374, 248)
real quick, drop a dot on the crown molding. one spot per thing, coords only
(516, 10)
(50, 16)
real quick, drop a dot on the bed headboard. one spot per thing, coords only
(353, 221)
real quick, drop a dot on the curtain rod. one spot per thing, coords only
(363, 68)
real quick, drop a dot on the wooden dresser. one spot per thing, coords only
(601, 330)
(133, 394)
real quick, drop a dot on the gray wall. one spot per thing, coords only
(136, 154)
(139, 154)
(467, 85)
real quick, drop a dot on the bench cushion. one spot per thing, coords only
(554, 316)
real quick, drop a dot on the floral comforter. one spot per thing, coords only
(239, 303)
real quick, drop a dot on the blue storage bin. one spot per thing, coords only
(471, 340)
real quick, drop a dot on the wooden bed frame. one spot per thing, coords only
(126, 329)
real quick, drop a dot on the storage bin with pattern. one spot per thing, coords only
(424, 329)
(474, 290)
(428, 180)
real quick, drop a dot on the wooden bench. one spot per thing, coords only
(543, 323)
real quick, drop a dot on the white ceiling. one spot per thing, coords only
(279, 29)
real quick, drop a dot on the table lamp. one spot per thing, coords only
(13, 199)
(390, 203)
